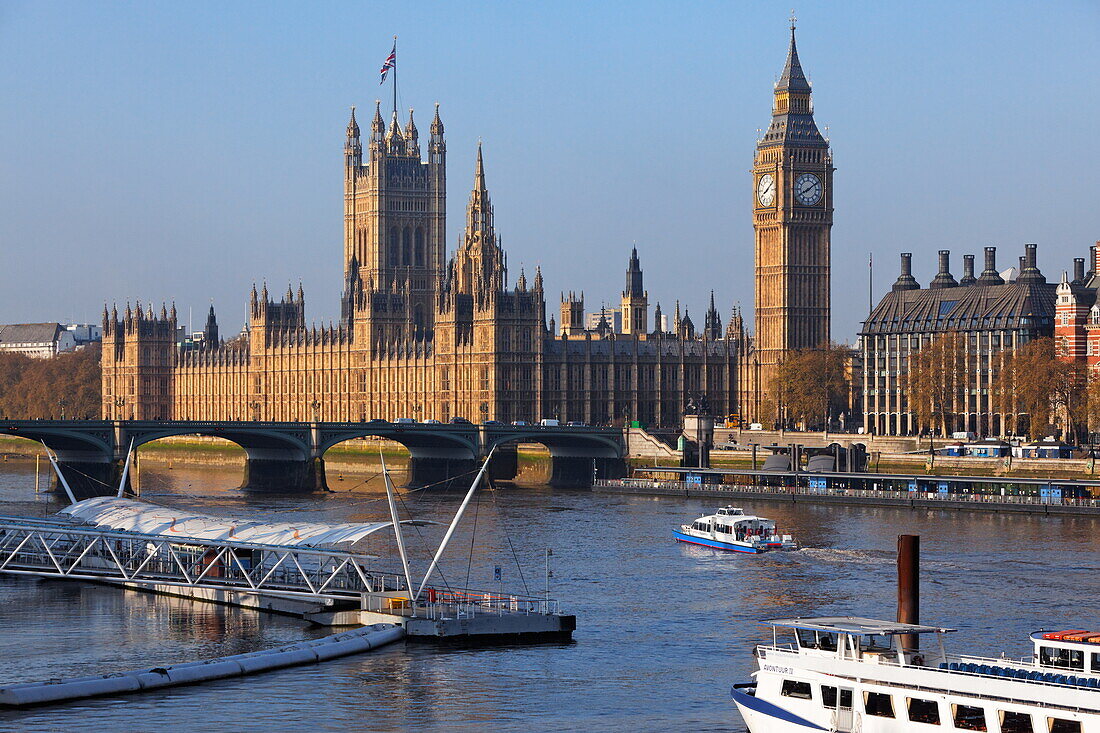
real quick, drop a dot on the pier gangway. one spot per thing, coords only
(57, 548)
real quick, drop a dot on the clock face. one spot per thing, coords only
(807, 189)
(765, 190)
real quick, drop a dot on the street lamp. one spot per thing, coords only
(316, 405)
(120, 402)
(61, 404)
(255, 410)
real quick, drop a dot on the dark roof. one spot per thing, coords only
(793, 79)
(29, 333)
(969, 307)
(793, 127)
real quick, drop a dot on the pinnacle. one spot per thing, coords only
(793, 78)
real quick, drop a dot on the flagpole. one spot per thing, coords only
(395, 75)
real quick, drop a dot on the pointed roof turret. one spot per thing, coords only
(793, 78)
(353, 126)
(634, 283)
(410, 127)
(377, 124)
(437, 124)
(792, 110)
(538, 278)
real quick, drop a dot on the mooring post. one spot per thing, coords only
(909, 585)
(37, 461)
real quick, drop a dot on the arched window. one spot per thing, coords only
(394, 247)
(406, 247)
(418, 320)
(420, 246)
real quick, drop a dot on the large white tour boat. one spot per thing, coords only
(730, 528)
(849, 675)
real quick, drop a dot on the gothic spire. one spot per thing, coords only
(479, 214)
(793, 78)
(792, 110)
(634, 287)
(412, 137)
(353, 126)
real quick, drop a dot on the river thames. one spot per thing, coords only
(663, 629)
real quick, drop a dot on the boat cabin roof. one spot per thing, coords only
(854, 625)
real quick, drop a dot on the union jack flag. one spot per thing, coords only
(391, 62)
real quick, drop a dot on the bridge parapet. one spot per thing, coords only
(289, 456)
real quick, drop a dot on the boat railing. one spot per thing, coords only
(841, 491)
(975, 666)
(438, 604)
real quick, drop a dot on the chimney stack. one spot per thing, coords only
(1078, 270)
(989, 275)
(943, 278)
(905, 280)
(1029, 271)
(968, 271)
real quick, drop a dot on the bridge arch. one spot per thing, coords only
(437, 454)
(576, 457)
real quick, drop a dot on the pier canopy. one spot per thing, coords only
(152, 519)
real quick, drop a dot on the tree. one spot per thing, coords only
(812, 385)
(1034, 382)
(67, 385)
(936, 381)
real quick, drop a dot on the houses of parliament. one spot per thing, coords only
(425, 336)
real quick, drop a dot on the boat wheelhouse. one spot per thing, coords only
(730, 528)
(847, 674)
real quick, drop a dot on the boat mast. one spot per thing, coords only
(454, 524)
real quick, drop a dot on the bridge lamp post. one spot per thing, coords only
(120, 402)
(61, 405)
(316, 410)
(255, 410)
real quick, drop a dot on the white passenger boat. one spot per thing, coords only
(845, 674)
(730, 528)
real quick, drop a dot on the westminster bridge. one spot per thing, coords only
(289, 456)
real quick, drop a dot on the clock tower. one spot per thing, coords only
(792, 217)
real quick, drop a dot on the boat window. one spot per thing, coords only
(924, 711)
(1013, 722)
(968, 717)
(794, 688)
(828, 696)
(823, 640)
(878, 703)
(877, 643)
(1095, 662)
(1063, 658)
(1058, 725)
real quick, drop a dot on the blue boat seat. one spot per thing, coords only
(943, 665)
(954, 666)
(1094, 683)
(983, 669)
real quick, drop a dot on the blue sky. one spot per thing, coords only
(181, 151)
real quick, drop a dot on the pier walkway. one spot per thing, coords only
(328, 586)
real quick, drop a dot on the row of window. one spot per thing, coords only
(919, 710)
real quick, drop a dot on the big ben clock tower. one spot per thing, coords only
(792, 216)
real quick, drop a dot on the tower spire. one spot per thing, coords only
(793, 78)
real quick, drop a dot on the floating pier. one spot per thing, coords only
(328, 587)
(238, 665)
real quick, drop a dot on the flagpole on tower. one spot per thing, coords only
(395, 75)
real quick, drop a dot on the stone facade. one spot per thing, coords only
(793, 218)
(424, 337)
(992, 314)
